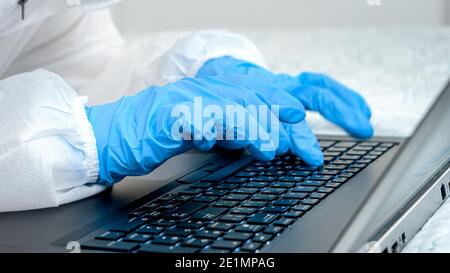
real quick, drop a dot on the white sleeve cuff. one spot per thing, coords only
(48, 152)
(188, 55)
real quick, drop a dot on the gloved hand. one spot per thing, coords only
(316, 92)
(137, 133)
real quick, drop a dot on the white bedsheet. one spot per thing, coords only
(399, 70)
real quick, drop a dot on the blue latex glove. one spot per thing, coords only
(316, 92)
(135, 134)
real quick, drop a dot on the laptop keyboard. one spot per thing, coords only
(240, 212)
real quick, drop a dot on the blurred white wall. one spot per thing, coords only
(157, 15)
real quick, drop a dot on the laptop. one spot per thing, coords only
(370, 196)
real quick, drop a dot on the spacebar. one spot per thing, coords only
(229, 169)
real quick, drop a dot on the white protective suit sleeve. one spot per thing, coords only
(47, 147)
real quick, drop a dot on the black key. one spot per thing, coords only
(243, 210)
(110, 245)
(138, 237)
(263, 178)
(109, 235)
(339, 179)
(262, 238)
(337, 149)
(319, 177)
(208, 214)
(238, 236)
(310, 201)
(328, 159)
(251, 246)
(286, 202)
(276, 209)
(318, 195)
(215, 193)
(332, 154)
(293, 214)
(347, 175)
(255, 169)
(313, 183)
(294, 179)
(249, 228)
(151, 230)
(294, 195)
(353, 170)
(302, 207)
(192, 224)
(190, 191)
(254, 204)
(356, 153)
(262, 218)
(232, 218)
(179, 232)
(236, 180)
(264, 197)
(215, 251)
(284, 185)
(335, 167)
(326, 143)
(306, 168)
(226, 186)
(343, 162)
(163, 223)
(166, 240)
(151, 248)
(208, 234)
(255, 185)
(299, 173)
(350, 157)
(226, 244)
(246, 190)
(276, 191)
(225, 204)
(167, 197)
(332, 185)
(184, 210)
(284, 222)
(345, 144)
(194, 242)
(273, 230)
(202, 185)
(388, 145)
(303, 189)
(204, 199)
(370, 144)
(325, 190)
(220, 226)
(327, 172)
(127, 225)
(236, 197)
(364, 161)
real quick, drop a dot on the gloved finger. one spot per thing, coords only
(290, 109)
(304, 143)
(343, 113)
(245, 132)
(340, 90)
(268, 119)
(228, 66)
(183, 128)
